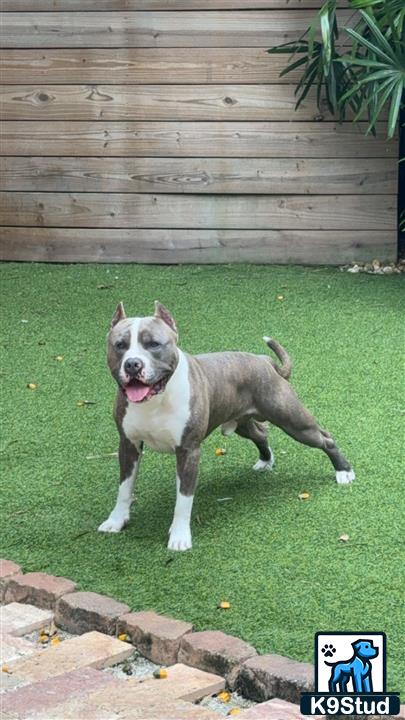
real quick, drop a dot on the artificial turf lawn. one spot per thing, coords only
(278, 560)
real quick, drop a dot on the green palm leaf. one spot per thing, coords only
(366, 80)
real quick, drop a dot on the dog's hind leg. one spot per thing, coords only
(318, 438)
(288, 413)
(257, 433)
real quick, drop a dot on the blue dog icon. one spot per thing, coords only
(358, 669)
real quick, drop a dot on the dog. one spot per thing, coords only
(171, 401)
(358, 669)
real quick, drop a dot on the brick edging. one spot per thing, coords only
(159, 638)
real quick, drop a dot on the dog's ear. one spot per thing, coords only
(118, 315)
(164, 314)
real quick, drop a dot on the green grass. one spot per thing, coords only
(278, 560)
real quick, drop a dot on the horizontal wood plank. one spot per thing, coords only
(224, 139)
(116, 210)
(114, 110)
(210, 175)
(154, 102)
(314, 247)
(249, 28)
(144, 66)
(121, 5)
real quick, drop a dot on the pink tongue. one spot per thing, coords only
(137, 391)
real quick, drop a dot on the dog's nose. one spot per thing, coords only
(133, 366)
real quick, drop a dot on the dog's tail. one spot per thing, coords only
(283, 356)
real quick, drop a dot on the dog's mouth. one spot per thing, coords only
(138, 392)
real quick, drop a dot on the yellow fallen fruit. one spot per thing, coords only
(5, 668)
(124, 637)
(44, 638)
(220, 451)
(224, 696)
(234, 711)
(304, 496)
(280, 297)
(224, 605)
(160, 674)
(59, 358)
(55, 640)
(31, 386)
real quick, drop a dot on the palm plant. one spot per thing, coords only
(361, 69)
(358, 69)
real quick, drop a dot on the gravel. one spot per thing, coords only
(222, 708)
(135, 666)
(376, 267)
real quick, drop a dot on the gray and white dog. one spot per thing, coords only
(171, 401)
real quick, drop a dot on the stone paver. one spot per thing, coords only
(75, 709)
(13, 648)
(267, 676)
(157, 637)
(171, 697)
(214, 651)
(170, 710)
(80, 612)
(273, 710)
(11, 682)
(43, 696)
(188, 683)
(65, 682)
(20, 619)
(92, 649)
(7, 569)
(38, 589)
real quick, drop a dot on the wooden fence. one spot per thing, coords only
(160, 131)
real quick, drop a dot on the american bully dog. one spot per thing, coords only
(171, 401)
(357, 669)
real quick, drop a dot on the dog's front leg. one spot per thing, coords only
(186, 481)
(129, 458)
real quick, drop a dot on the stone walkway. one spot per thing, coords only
(65, 681)
(56, 643)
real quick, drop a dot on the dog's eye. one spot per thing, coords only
(154, 344)
(120, 345)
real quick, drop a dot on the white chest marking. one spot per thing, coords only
(160, 421)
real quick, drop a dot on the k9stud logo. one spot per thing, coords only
(350, 676)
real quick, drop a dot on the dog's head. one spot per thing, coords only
(365, 649)
(142, 352)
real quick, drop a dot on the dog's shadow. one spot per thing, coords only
(228, 490)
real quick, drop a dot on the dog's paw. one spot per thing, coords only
(345, 477)
(180, 538)
(113, 524)
(264, 465)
